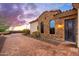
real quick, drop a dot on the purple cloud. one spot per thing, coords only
(31, 6)
(26, 11)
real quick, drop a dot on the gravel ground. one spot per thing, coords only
(20, 45)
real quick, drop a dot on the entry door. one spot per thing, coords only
(70, 30)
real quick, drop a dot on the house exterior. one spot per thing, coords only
(33, 26)
(57, 25)
(59, 20)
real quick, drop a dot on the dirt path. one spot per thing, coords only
(18, 44)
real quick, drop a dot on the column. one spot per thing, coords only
(78, 30)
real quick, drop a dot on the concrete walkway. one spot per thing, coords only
(20, 45)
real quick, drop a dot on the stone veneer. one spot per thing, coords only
(59, 18)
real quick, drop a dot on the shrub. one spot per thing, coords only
(3, 28)
(36, 34)
(26, 31)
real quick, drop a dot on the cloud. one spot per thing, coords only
(25, 12)
(31, 6)
(30, 15)
(29, 12)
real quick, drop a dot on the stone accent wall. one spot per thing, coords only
(75, 5)
(59, 18)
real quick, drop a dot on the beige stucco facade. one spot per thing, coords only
(33, 26)
(76, 6)
(78, 30)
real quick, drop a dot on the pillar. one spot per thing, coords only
(78, 30)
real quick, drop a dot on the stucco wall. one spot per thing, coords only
(78, 31)
(33, 26)
(76, 5)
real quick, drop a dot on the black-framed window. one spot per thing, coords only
(52, 26)
(42, 27)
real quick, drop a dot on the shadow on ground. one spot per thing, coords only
(70, 45)
(2, 41)
(57, 43)
(54, 42)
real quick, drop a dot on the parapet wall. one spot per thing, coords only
(66, 13)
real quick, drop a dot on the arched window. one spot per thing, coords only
(52, 27)
(42, 27)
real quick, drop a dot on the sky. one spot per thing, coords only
(22, 13)
(52, 24)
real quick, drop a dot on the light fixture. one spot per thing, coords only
(60, 26)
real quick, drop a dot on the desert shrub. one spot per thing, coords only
(36, 34)
(26, 31)
(3, 28)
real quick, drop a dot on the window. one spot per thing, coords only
(52, 27)
(42, 27)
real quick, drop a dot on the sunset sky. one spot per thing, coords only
(21, 13)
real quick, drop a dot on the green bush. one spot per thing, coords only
(3, 28)
(36, 34)
(26, 31)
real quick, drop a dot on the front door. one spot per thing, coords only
(70, 30)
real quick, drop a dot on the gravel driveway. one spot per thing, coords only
(20, 45)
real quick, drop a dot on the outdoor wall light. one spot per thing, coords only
(60, 26)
